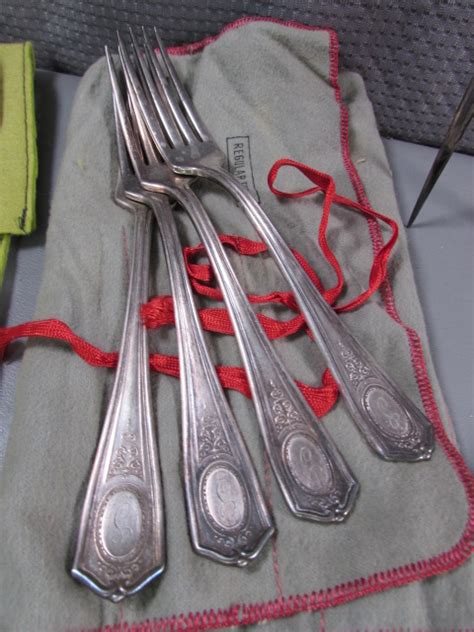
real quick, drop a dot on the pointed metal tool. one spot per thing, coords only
(461, 120)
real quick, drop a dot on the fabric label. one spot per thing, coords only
(240, 162)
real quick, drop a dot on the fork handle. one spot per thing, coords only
(121, 543)
(391, 424)
(227, 514)
(315, 480)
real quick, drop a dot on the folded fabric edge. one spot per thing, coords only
(31, 146)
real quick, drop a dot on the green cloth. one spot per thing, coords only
(4, 249)
(271, 88)
(18, 156)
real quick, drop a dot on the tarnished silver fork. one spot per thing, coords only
(121, 542)
(313, 476)
(228, 517)
(392, 425)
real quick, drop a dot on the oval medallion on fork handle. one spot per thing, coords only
(228, 516)
(121, 542)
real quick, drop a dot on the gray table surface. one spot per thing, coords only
(441, 246)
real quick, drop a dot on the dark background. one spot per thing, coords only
(416, 57)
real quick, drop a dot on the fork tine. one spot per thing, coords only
(124, 130)
(150, 88)
(150, 53)
(163, 86)
(186, 102)
(136, 90)
(142, 132)
(123, 160)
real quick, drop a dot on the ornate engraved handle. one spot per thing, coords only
(392, 425)
(228, 518)
(121, 544)
(314, 478)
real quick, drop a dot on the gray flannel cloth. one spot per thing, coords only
(275, 89)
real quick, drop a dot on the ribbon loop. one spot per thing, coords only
(158, 311)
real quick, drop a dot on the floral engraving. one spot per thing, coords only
(233, 542)
(121, 574)
(331, 505)
(413, 442)
(355, 368)
(212, 439)
(126, 459)
(284, 413)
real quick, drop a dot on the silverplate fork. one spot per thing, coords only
(228, 517)
(315, 480)
(391, 424)
(121, 543)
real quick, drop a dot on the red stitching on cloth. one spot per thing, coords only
(322, 621)
(245, 614)
(268, 498)
(416, 349)
(195, 47)
(150, 626)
